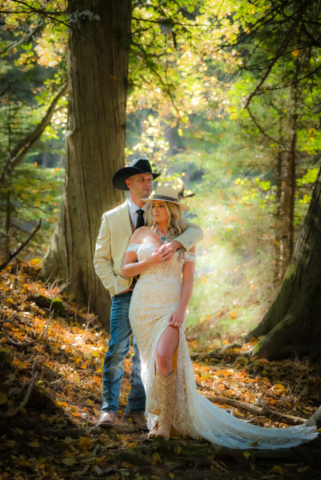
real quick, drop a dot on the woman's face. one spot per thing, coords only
(159, 212)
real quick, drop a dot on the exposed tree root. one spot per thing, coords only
(266, 412)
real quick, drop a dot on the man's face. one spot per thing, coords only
(141, 184)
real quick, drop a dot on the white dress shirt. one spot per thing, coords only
(133, 209)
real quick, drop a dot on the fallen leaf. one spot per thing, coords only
(126, 465)
(3, 398)
(246, 455)
(69, 461)
(34, 444)
(277, 469)
(303, 469)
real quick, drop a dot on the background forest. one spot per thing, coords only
(220, 95)
(223, 95)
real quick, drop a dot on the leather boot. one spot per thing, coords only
(166, 391)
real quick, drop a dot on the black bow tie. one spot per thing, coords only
(140, 218)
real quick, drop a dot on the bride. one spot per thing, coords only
(156, 314)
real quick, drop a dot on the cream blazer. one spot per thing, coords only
(112, 242)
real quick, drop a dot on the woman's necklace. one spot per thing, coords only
(163, 239)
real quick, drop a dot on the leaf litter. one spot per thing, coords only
(51, 364)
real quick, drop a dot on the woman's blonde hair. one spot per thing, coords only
(176, 222)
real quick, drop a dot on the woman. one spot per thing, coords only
(156, 314)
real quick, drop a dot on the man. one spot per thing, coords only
(116, 229)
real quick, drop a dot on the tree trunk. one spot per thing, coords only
(286, 229)
(97, 68)
(292, 324)
(278, 264)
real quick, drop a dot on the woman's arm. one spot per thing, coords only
(131, 267)
(187, 290)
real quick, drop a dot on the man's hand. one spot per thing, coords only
(169, 249)
(131, 288)
(177, 318)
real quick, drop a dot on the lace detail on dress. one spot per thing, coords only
(190, 257)
(133, 247)
(155, 297)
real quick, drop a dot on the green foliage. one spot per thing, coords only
(35, 193)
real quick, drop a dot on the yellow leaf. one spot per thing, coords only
(179, 449)
(90, 402)
(246, 455)
(34, 444)
(157, 456)
(278, 470)
(3, 398)
(279, 387)
(68, 440)
(126, 465)
(69, 461)
(84, 441)
(35, 261)
(171, 475)
(302, 469)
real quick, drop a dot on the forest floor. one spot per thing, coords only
(51, 361)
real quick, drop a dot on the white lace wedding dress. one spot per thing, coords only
(156, 296)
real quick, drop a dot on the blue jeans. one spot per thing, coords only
(120, 332)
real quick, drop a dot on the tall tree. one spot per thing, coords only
(292, 324)
(97, 72)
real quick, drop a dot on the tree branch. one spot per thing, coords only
(11, 256)
(261, 129)
(266, 412)
(23, 40)
(16, 155)
(24, 401)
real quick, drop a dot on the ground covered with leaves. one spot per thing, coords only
(51, 361)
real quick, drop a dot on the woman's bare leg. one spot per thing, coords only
(165, 350)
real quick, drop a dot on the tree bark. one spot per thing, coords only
(98, 69)
(292, 324)
(278, 270)
(288, 186)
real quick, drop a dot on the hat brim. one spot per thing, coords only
(151, 200)
(123, 174)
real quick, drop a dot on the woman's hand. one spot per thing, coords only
(159, 256)
(177, 318)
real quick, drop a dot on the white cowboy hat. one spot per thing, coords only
(166, 194)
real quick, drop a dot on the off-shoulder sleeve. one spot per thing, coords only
(190, 257)
(133, 247)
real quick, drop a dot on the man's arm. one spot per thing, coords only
(192, 235)
(102, 258)
(103, 262)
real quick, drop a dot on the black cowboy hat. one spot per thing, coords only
(139, 165)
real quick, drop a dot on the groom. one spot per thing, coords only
(116, 229)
